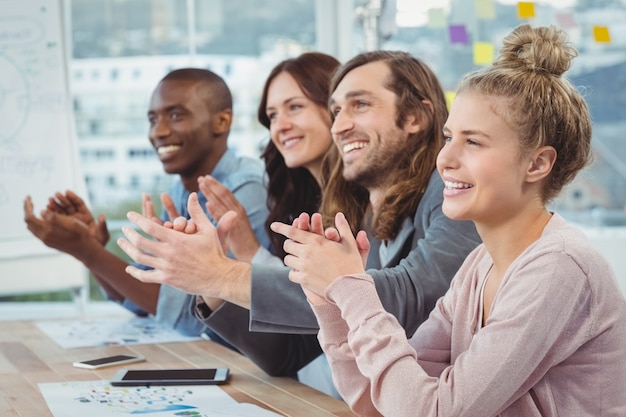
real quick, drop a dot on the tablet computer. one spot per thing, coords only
(139, 377)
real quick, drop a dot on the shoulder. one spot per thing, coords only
(178, 192)
(434, 190)
(432, 200)
(563, 258)
(564, 243)
(234, 171)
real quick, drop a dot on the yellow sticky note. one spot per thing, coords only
(485, 9)
(526, 9)
(601, 34)
(483, 53)
(436, 18)
(450, 95)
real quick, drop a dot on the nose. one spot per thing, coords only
(281, 123)
(160, 128)
(448, 156)
(342, 123)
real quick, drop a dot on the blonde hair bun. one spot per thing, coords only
(541, 50)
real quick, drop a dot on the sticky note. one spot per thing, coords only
(526, 9)
(485, 9)
(436, 18)
(601, 34)
(450, 95)
(458, 34)
(483, 53)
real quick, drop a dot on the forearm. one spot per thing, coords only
(333, 336)
(279, 305)
(110, 272)
(277, 354)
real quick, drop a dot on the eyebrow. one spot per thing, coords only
(468, 132)
(287, 101)
(169, 109)
(352, 95)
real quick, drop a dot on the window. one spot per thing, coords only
(446, 34)
(136, 42)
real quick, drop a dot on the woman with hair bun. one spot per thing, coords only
(534, 323)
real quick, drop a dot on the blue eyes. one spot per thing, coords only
(448, 139)
(358, 105)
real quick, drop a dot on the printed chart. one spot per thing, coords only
(99, 398)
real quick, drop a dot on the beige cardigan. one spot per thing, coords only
(554, 343)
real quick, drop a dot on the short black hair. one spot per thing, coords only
(218, 94)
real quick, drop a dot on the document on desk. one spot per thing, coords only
(99, 398)
(109, 332)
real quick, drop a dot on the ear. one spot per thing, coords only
(541, 163)
(413, 123)
(429, 104)
(222, 121)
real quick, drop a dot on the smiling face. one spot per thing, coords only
(182, 129)
(481, 164)
(299, 127)
(365, 129)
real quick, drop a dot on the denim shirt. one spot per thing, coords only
(243, 176)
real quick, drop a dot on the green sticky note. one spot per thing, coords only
(483, 53)
(601, 34)
(526, 9)
(436, 18)
(485, 9)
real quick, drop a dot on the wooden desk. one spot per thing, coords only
(28, 357)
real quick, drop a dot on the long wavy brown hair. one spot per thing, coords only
(291, 191)
(413, 83)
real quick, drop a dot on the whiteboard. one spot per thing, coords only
(38, 150)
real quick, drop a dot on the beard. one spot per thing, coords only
(384, 157)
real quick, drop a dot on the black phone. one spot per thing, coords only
(108, 361)
(139, 377)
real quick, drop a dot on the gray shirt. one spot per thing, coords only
(420, 264)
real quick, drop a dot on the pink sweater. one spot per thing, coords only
(554, 343)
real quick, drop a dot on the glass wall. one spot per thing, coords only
(458, 36)
(122, 48)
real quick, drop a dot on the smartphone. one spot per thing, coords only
(138, 377)
(108, 361)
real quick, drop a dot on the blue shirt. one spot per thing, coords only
(243, 176)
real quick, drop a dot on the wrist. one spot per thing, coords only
(88, 252)
(234, 284)
(247, 252)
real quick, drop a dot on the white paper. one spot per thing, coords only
(100, 399)
(109, 332)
